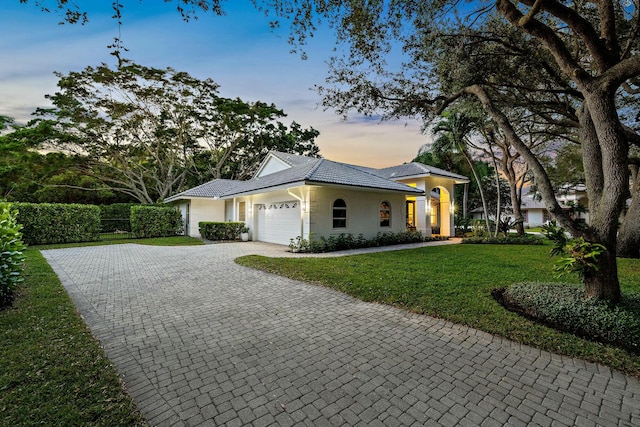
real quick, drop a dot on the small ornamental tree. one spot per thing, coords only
(11, 256)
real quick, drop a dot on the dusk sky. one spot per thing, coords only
(239, 51)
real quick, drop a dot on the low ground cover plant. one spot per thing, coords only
(564, 307)
(349, 241)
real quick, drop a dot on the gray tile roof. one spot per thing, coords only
(416, 169)
(309, 170)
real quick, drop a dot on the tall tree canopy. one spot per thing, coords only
(149, 132)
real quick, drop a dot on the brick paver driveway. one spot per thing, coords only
(200, 340)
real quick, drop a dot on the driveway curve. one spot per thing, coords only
(200, 340)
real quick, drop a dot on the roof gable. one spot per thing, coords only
(277, 161)
(415, 169)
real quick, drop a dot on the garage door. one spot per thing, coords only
(278, 222)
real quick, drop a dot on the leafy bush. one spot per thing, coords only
(11, 257)
(564, 307)
(527, 239)
(156, 221)
(348, 241)
(576, 255)
(47, 223)
(221, 230)
(116, 217)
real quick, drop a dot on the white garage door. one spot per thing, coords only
(278, 222)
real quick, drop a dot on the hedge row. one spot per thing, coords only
(155, 221)
(116, 217)
(11, 256)
(221, 230)
(46, 223)
(348, 241)
(527, 239)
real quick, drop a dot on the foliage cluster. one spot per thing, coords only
(349, 241)
(11, 256)
(58, 223)
(576, 254)
(140, 133)
(526, 239)
(116, 217)
(155, 221)
(564, 307)
(54, 372)
(217, 231)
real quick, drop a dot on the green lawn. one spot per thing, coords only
(158, 241)
(52, 370)
(454, 282)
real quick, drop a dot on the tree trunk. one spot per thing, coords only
(601, 283)
(499, 201)
(484, 200)
(605, 153)
(465, 200)
(517, 208)
(629, 234)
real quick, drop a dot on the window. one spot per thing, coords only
(434, 212)
(546, 216)
(385, 214)
(339, 214)
(242, 209)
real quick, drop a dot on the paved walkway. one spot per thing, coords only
(200, 340)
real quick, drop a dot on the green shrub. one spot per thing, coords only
(47, 223)
(527, 239)
(348, 241)
(116, 217)
(564, 307)
(156, 221)
(11, 257)
(221, 230)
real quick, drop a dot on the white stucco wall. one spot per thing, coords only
(363, 212)
(202, 210)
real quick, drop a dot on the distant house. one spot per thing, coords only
(535, 212)
(292, 195)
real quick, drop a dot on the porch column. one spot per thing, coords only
(423, 210)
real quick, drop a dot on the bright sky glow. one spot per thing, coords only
(239, 51)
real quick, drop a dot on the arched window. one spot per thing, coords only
(385, 214)
(339, 214)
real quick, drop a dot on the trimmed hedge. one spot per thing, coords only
(47, 223)
(116, 217)
(564, 307)
(220, 230)
(156, 221)
(11, 256)
(527, 239)
(348, 241)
